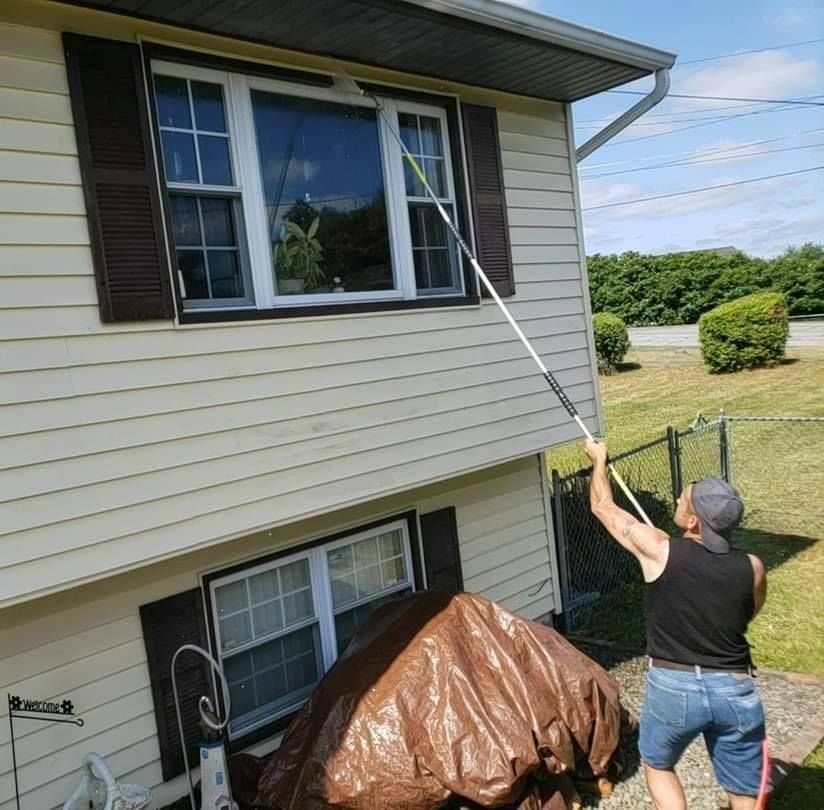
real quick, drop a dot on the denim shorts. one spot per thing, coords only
(725, 708)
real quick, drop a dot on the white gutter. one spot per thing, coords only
(533, 25)
(662, 84)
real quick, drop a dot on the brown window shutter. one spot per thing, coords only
(442, 554)
(486, 184)
(119, 178)
(168, 624)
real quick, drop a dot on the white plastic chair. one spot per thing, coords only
(99, 790)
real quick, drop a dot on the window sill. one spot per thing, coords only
(222, 316)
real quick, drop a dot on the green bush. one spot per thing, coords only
(675, 288)
(745, 333)
(611, 340)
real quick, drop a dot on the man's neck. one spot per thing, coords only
(696, 538)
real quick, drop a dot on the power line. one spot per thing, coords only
(718, 151)
(696, 161)
(727, 98)
(754, 50)
(696, 126)
(704, 188)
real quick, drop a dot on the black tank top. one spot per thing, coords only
(698, 610)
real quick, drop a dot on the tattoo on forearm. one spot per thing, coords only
(627, 530)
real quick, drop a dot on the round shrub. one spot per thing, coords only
(611, 340)
(745, 333)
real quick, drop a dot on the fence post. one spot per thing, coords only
(561, 543)
(725, 447)
(675, 462)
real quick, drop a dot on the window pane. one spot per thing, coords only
(431, 136)
(267, 618)
(238, 667)
(439, 268)
(394, 572)
(409, 132)
(271, 685)
(321, 169)
(185, 222)
(298, 643)
(414, 187)
(263, 587)
(208, 103)
(268, 655)
(390, 545)
(298, 606)
(193, 269)
(217, 221)
(242, 694)
(179, 157)
(340, 561)
(343, 590)
(301, 672)
(434, 171)
(295, 576)
(369, 581)
(214, 160)
(224, 273)
(346, 623)
(366, 552)
(234, 631)
(231, 598)
(172, 102)
(421, 271)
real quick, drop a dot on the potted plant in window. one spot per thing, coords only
(298, 258)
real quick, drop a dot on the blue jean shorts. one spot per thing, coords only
(726, 709)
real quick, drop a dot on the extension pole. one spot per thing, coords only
(479, 272)
(349, 86)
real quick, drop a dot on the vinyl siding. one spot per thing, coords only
(121, 445)
(87, 644)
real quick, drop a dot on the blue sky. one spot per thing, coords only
(761, 218)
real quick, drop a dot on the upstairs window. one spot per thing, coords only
(286, 195)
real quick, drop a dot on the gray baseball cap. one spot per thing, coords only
(719, 508)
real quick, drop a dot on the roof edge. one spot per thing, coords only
(532, 24)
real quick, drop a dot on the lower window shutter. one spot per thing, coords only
(111, 119)
(168, 624)
(486, 184)
(441, 551)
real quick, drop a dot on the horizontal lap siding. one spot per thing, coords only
(125, 444)
(86, 643)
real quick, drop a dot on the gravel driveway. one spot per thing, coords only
(788, 706)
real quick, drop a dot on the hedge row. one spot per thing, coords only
(678, 288)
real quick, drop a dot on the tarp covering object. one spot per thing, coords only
(446, 700)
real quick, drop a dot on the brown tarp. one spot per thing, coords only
(444, 699)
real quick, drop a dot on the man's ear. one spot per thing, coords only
(694, 524)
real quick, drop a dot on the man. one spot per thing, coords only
(700, 596)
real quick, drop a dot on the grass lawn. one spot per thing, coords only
(780, 471)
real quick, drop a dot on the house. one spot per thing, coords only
(249, 386)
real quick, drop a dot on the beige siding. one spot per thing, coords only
(87, 643)
(121, 445)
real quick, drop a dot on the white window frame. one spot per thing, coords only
(324, 617)
(254, 238)
(235, 192)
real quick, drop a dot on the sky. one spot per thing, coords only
(720, 142)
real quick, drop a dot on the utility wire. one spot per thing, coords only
(727, 98)
(701, 160)
(718, 151)
(695, 126)
(704, 188)
(754, 50)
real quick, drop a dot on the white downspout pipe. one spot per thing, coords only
(662, 85)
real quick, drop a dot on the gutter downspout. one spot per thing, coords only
(662, 85)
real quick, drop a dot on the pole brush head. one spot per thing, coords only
(346, 85)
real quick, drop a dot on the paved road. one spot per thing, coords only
(802, 333)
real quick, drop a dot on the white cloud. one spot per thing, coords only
(771, 74)
(727, 150)
(747, 226)
(800, 203)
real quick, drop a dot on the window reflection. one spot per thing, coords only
(323, 184)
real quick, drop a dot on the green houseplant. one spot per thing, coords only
(299, 254)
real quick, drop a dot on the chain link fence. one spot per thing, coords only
(777, 463)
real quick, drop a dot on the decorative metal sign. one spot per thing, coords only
(49, 711)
